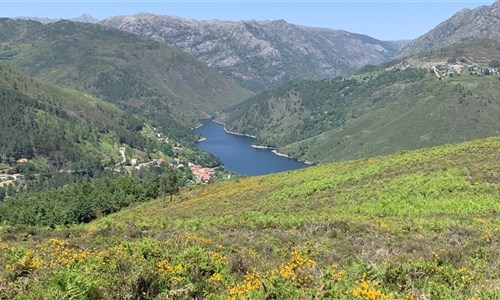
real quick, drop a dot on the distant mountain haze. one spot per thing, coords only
(84, 18)
(262, 54)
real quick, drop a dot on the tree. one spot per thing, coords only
(494, 63)
(169, 183)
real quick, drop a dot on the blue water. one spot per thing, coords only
(237, 153)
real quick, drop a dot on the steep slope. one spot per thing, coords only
(482, 22)
(420, 224)
(61, 127)
(140, 75)
(261, 55)
(379, 111)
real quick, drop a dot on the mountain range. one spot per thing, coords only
(84, 18)
(329, 119)
(142, 76)
(480, 23)
(416, 224)
(440, 95)
(262, 54)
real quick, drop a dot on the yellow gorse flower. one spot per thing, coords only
(296, 269)
(367, 290)
(215, 278)
(252, 282)
(166, 268)
(218, 258)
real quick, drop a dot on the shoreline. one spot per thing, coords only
(239, 134)
(232, 132)
(282, 154)
(262, 147)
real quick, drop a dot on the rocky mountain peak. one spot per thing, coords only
(261, 54)
(480, 23)
(85, 18)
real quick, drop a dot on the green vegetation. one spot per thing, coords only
(141, 76)
(85, 201)
(66, 128)
(400, 106)
(67, 136)
(413, 225)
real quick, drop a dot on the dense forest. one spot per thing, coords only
(86, 200)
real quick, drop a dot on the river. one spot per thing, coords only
(237, 153)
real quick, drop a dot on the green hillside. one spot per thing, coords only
(400, 106)
(61, 127)
(416, 225)
(139, 74)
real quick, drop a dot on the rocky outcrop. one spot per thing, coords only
(480, 23)
(261, 55)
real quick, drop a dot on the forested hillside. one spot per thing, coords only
(142, 76)
(434, 98)
(414, 225)
(63, 128)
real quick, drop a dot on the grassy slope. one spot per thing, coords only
(417, 119)
(421, 224)
(377, 112)
(139, 74)
(62, 118)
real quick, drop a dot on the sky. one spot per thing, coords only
(385, 20)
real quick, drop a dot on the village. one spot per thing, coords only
(452, 67)
(201, 175)
(6, 178)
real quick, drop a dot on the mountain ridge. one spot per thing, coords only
(379, 110)
(84, 18)
(463, 26)
(261, 54)
(142, 76)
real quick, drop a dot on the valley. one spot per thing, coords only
(401, 105)
(239, 154)
(422, 223)
(212, 155)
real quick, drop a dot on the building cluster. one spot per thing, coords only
(135, 165)
(201, 175)
(397, 67)
(450, 69)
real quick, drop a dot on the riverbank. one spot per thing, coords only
(262, 147)
(232, 132)
(243, 155)
(281, 154)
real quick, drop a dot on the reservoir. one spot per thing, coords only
(238, 154)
